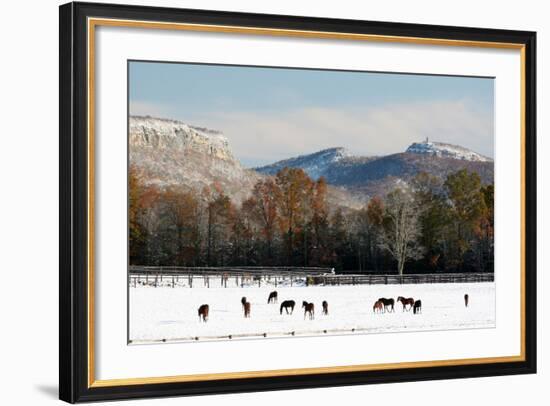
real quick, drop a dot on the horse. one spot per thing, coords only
(246, 308)
(243, 300)
(378, 305)
(272, 297)
(286, 304)
(417, 307)
(387, 303)
(203, 312)
(406, 301)
(325, 307)
(308, 308)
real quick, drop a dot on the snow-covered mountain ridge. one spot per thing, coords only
(315, 164)
(163, 133)
(443, 150)
(172, 153)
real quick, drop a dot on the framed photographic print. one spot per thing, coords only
(257, 202)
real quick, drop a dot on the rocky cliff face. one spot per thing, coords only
(169, 152)
(162, 134)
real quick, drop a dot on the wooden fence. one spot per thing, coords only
(403, 279)
(274, 276)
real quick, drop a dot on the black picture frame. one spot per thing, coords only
(74, 385)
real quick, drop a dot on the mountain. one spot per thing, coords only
(173, 153)
(365, 176)
(169, 152)
(315, 165)
(443, 150)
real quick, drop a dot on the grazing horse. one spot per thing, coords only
(243, 300)
(466, 299)
(308, 308)
(325, 307)
(272, 297)
(417, 307)
(203, 312)
(378, 305)
(406, 301)
(387, 303)
(287, 304)
(246, 307)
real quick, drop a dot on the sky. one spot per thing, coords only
(269, 114)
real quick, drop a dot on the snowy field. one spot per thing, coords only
(163, 313)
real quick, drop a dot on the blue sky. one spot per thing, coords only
(272, 113)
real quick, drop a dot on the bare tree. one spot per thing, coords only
(401, 227)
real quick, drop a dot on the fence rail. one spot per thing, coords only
(274, 276)
(403, 279)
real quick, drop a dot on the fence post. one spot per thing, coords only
(172, 281)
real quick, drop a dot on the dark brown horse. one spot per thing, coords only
(246, 307)
(406, 301)
(272, 297)
(378, 305)
(325, 307)
(466, 299)
(203, 312)
(308, 308)
(286, 305)
(387, 303)
(243, 300)
(417, 307)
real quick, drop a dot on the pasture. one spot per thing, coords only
(169, 314)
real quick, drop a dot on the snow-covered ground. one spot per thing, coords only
(170, 314)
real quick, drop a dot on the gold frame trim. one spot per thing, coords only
(94, 22)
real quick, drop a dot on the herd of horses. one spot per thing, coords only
(382, 305)
(286, 305)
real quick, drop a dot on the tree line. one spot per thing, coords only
(428, 225)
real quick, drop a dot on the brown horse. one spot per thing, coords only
(417, 307)
(246, 307)
(203, 312)
(325, 307)
(286, 305)
(308, 308)
(466, 299)
(272, 297)
(378, 305)
(406, 301)
(387, 303)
